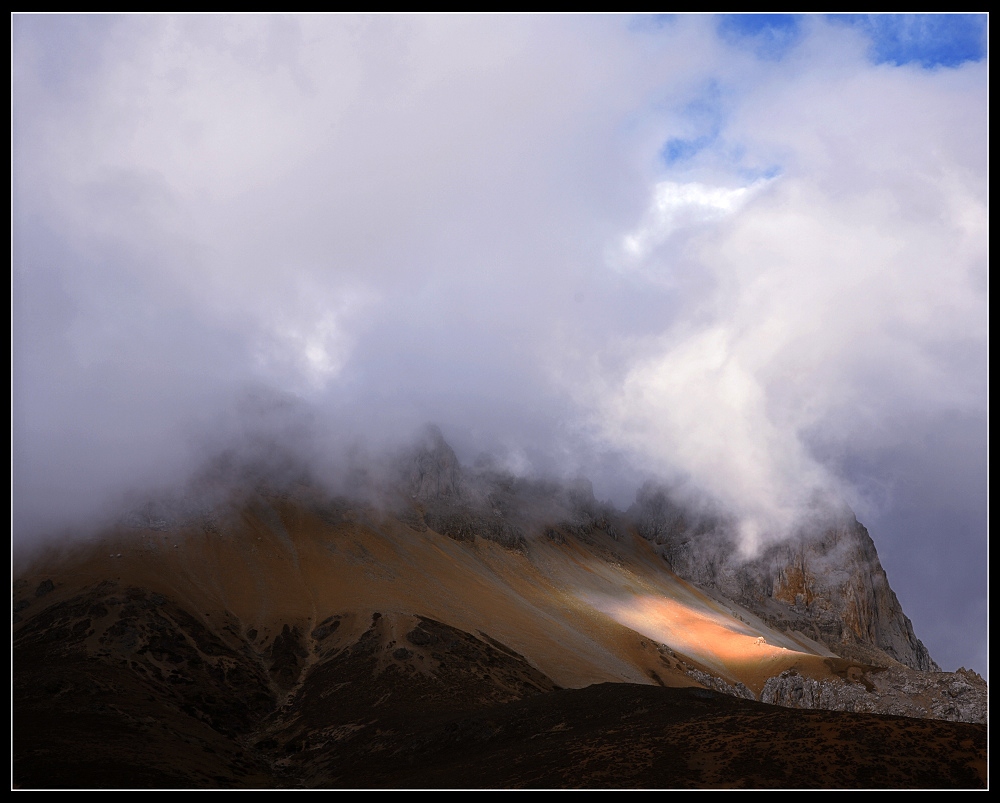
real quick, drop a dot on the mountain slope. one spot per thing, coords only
(294, 638)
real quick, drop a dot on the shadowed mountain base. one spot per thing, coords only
(124, 688)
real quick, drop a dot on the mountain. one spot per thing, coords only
(441, 626)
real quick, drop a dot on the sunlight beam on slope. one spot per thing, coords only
(713, 639)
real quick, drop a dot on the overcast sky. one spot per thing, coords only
(746, 255)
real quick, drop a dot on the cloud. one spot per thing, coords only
(768, 36)
(838, 306)
(676, 206)
(478, 221)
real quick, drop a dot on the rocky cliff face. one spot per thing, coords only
(827, 582)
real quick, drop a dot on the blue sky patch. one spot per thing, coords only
(931, 40)
(704, 115)
(680, 150)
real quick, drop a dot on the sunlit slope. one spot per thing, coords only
(582, 610)
(627, 582)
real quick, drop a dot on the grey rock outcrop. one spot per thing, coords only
(718, 684)
(490, 503)
(450, 502)
(956, 696)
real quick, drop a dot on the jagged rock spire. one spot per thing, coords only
(432, 469)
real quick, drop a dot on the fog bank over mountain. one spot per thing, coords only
(749, 260)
